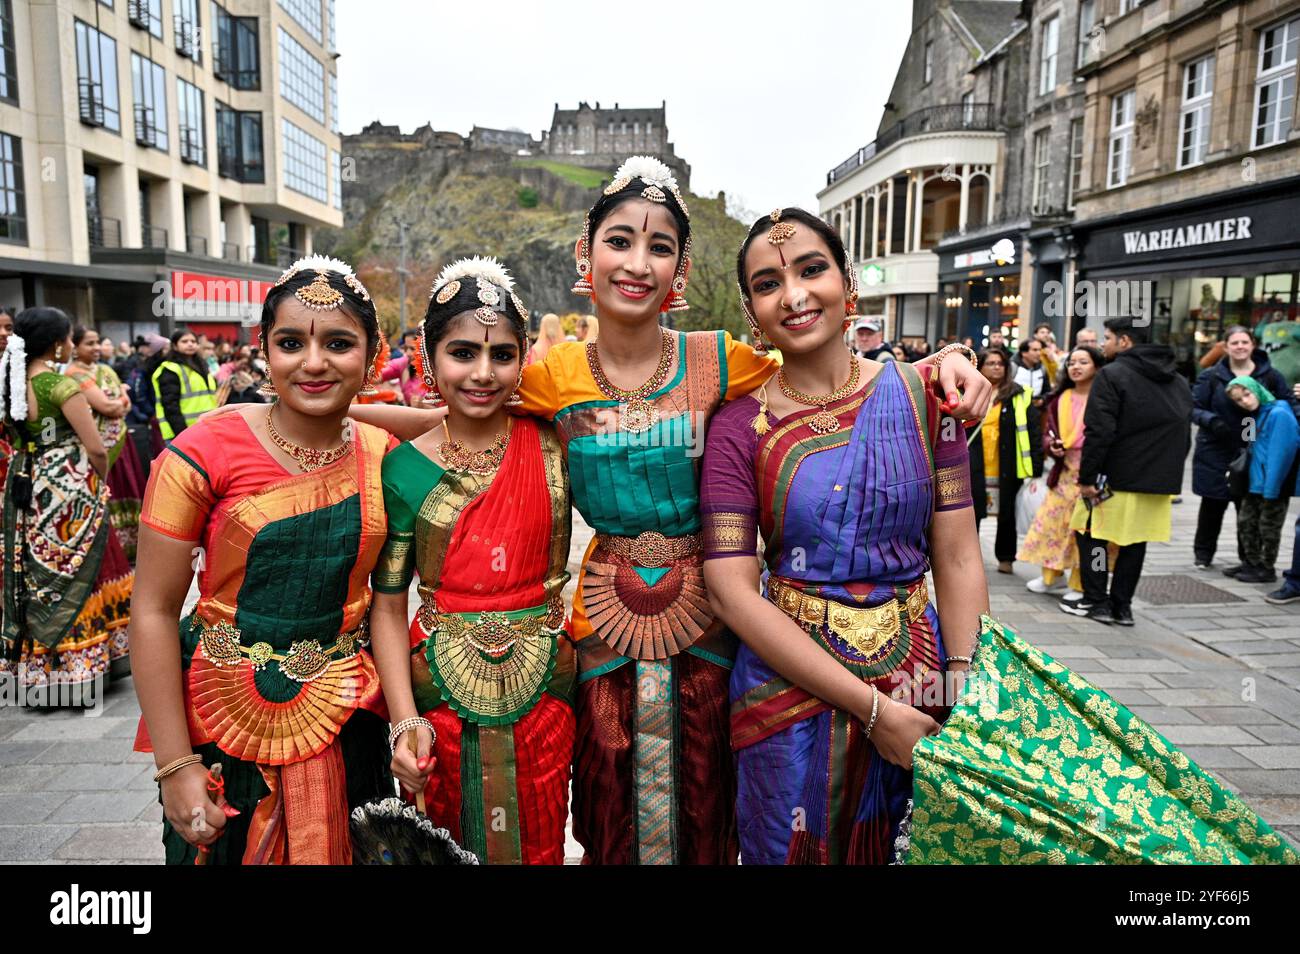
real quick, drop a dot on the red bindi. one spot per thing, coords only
(646, 224)
(782, 254)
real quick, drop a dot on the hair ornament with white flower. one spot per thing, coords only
(13, 365)
(656, 176)
(319, 295)
(493, 287)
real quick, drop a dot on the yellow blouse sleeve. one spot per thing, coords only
(746, 370)
(178, 497)
(538, 390)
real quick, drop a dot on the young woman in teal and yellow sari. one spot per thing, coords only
(479, 508)
(280, 509)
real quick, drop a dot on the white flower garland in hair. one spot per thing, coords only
(649, 170)
(484, 267)
(319, 262)
(14, 363)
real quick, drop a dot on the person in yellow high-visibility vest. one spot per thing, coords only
(183, 387)
(1005, 451)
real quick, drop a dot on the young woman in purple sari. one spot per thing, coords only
(858, 487)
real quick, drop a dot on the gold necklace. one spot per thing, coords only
(459, 457)
(823, 422)
(638, 414)
(308, 458)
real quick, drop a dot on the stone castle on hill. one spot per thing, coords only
(588, 136)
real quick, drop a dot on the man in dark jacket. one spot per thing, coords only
(1139, 431)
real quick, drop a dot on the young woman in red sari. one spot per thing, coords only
(479, 508)
(280, 509)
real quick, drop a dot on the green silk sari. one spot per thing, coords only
(1036, 765)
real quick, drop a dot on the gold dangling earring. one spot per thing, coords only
(267, 388)
(432, 398)
(515, 400)
(368, 389)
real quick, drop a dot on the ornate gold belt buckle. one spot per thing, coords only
(305, 661)
(652, 549)
(220, 643)
(493, 635)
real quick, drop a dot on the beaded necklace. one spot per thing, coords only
(459, 457)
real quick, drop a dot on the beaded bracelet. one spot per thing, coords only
(965, 659)
(942, 354)
(875, 711)
(405, 726)
(171, 768)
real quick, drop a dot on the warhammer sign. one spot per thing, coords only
(1244, 227)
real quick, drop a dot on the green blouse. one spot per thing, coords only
(408, 476)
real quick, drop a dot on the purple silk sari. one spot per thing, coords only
(843, 516)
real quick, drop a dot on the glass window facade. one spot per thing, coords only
(239, 144)
(308, 15)
(149, 92)
(302, 77)
(8, 57)
(190, 123)
(13, 206)
(97, 78)
(235, 56)
(187, 29)
(303, 159)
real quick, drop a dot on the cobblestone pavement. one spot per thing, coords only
(1221, 680)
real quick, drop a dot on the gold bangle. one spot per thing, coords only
(171, 768)
(946, 350)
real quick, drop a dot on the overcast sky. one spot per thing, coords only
(763, 96)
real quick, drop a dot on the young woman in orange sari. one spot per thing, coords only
(280, 509)
(479, 508)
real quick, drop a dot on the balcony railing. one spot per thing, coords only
(223, 70)
(187, 37)
(241, 170)
(231, 251)
(90, 98)
(286, 256)
(137, 11)
(153, 236)
(947, 118)
(146, 133)
(196, 244)
(103, 231)
(13, 228)
(192, 150)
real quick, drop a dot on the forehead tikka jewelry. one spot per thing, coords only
(320, 295)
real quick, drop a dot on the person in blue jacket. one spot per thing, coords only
(1220, 437)
(1272, 452)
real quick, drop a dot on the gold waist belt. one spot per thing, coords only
(305, 660)
(866, 629)
(651, 549)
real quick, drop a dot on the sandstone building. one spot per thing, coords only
(187, 144)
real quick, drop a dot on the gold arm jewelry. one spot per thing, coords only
(171, 768)
(942, 354)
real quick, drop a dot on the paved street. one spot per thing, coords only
(1221, 680)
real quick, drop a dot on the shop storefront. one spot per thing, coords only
(979, 287)
(1197, 267)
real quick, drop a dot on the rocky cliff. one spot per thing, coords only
(526, 212)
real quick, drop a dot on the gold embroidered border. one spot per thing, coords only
(730, 533)
(952, 485)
